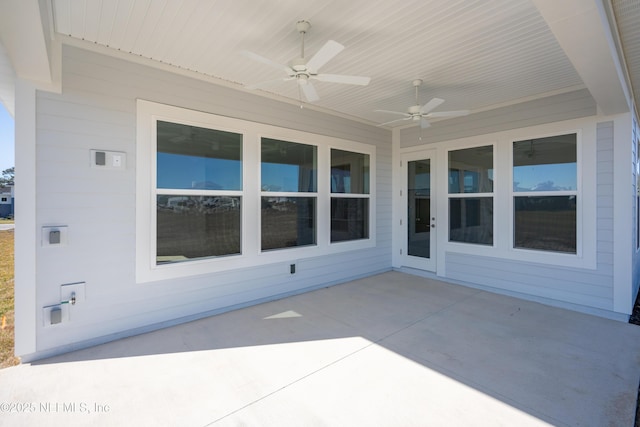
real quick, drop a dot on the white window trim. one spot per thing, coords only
(475, 248)
(550, 257)
(146, 269)
(503, 195)
(368, 196)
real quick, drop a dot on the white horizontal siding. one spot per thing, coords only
(585, 287)
(604, 196)
(636, 160)
(96, 110)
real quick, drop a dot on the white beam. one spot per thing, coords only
(25, 216)
(623, 202)
(23, 36)
(582, 30)
(7, 82)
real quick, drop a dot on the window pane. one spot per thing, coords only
(288, 166)
(349, 219)
(194, 157)
(349, 172)
(471, 220)
(546, 223)
(288, 222)
(471, 170)
(545, 164)
(197, 227)
(419, 208)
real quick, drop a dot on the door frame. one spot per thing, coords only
(426, 264)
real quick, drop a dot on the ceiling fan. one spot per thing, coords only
(303, 70)
(423, 112)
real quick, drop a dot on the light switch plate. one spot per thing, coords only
(103, 159)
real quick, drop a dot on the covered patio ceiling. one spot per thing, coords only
(476, 55)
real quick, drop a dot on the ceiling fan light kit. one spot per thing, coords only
(303, 71)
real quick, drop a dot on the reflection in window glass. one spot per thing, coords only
(349, 215)
(349, 172)
(191, 157)
(419, 208)
(471, 170)
(545, 164)
(288, 222)
(288, 166)
(190, 227)
(471, 220)
(545, 223)
(349, 219)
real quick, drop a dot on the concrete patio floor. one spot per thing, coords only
(388, 350)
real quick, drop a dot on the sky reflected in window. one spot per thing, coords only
(192, 172)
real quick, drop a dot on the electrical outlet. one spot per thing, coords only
(46, 314)
(69, 290)
(54, 236)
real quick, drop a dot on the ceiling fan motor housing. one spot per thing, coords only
(299, 65)
(414, 110)
(303, 26)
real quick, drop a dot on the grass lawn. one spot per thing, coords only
(6, 300)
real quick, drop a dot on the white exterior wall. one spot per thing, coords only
(97, 110)
(586, 287)
(594, 281)
(635, 146)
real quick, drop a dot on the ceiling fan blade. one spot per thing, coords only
(256, 57)
(394, 121)
(338, 78)
(267, 83)
(309, 92)
(431, 105)
(449, 113)
(424, 123)
(324, 55)
(393, 112)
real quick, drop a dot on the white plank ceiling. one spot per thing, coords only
(475, 54)
(627, 14)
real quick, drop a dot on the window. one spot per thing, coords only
(545, 193)
(471, 195)
(198, 194)
(215, 193)
(349, 195)
(289, 187)
(4, 199)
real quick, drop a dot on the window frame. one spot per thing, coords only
(349, 195)
(148, 112)
(546, 193)
(540, 254)
(463, 195)
(289, 194)
(502, 251)
(157, 191)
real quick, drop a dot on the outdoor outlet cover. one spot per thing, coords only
(55, 315)
(54, 236)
